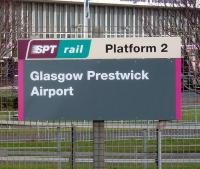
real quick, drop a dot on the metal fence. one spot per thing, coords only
(97, 144)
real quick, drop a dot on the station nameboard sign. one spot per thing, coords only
(100, 79)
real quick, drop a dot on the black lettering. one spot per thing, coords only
(150, 49)
(108, 47)
(164, 47)
(120, 49)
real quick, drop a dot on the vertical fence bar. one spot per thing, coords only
(145, 148)
(159, 144)
(58, 147)
(73, 140)
(99, 144)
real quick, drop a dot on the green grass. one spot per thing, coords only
(29, 131)
(36, 166)
(8, 93)
(4, 115)
(191, 114)
(168, 146)
(90, 166)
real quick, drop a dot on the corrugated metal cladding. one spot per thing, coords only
(104, 20)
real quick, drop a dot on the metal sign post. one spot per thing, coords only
(99, 144)
(86, 17)
(159, 128)
(73, 142)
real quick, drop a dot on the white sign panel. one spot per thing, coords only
(103, 48)
(135, 48)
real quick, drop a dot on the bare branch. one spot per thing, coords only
(183, 19)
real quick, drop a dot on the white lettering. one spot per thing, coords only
(60, 77)
(35, 91)
(52, 47)
(137, 76)
(52, 92)
(90, 74)
(45, 48)
(143, 75)
(34, 76)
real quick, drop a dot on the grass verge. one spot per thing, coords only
(90, 166)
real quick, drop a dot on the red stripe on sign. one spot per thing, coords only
(178, 89)
(20, 90)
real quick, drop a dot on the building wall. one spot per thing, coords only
(65, 18)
